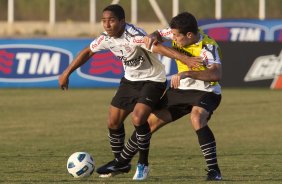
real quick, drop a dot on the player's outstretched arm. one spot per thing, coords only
(80, 59)
(169, 52)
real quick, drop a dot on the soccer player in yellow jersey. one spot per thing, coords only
(193, 90)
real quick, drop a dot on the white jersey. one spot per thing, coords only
(139, 63)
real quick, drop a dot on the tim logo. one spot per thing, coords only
(32, 63)
(267, 67)
(236, 31)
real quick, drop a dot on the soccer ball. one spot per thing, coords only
(80, 165)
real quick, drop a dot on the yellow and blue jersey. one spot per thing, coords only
(208, 50)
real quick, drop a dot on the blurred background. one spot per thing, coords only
(81, 17)
(38, 39)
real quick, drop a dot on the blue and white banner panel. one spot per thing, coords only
(39, 62)
(243, 30)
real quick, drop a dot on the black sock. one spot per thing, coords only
(208, 147)
(143, 133)
(116, 138)
(129, 150)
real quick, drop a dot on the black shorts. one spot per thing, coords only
(131, 92)
(180, 102)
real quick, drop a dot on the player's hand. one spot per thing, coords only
(64, 81)
(192, 62)
(150, 40)
(175, 81)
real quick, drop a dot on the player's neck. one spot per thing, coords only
(196, 38)
(119, 34)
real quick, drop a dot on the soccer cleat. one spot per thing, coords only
(213, 175)
(113, 168)
(142, 172)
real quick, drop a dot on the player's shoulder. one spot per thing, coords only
(102, 37)
(206, 39)
(134, 30)
(98, 41)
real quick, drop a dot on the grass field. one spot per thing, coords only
(40, 128)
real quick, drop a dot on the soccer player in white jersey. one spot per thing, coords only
(140, 89)
(193, 90)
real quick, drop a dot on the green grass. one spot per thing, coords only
(40, 128)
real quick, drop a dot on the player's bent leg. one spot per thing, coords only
(158, 119)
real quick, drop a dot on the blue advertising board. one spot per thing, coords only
(243, 30)
(39, 62)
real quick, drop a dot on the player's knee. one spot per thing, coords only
(137, 120)
(195, 118)
(199, 119)
(113, 124)
(154, 123)
(158, 119)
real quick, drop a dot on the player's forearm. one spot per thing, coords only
(174, 54)
(166, 51)
(80, 59)
(209, 75)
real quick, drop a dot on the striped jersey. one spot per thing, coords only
(139, 63)
(208, 50)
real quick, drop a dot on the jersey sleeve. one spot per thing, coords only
(98, 44)
(210, 54)
(166, 34)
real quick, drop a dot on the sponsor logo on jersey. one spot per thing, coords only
(134, 62)
(236, 31)
(140, 40)
(266, 67)
(32, 63)
(98, 42)
(165, 33)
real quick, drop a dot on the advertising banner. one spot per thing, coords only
(243, 30)
(249, 64)
(251, 58)
(39, 62)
